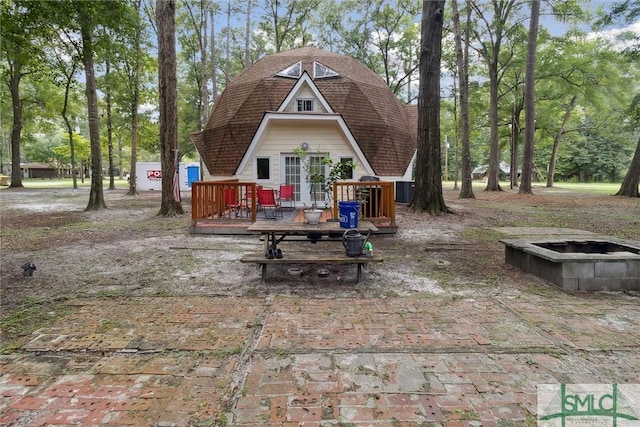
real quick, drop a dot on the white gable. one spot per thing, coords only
(305, 89)
(304, 120)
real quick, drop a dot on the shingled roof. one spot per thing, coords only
(384, 128)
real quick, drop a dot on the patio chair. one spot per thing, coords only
(268, 203)
(248, 197)
(287, 194)
(231, 202)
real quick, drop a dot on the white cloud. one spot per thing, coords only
(614, 35)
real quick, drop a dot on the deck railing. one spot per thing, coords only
(232, 200)
(377, 199)
(229, 200)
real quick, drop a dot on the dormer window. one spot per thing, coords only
(306, 105)
(322, 71)
(293, 71)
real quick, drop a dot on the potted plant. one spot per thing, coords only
(321, 181)
(315, 178)
(338, 171)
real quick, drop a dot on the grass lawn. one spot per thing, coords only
(591, 188)
(68, 183)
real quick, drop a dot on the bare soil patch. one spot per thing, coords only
(128, 250)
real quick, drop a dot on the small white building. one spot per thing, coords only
(149, 175)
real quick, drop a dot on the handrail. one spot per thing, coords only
(208, 201)
(377, 199)
(227, 200)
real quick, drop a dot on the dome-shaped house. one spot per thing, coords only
(325, 103)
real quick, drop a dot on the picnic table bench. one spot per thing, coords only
(324, 257)
(274, 233)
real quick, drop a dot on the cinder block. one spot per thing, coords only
(515, 257)
(578, 270)
(633, 268)
(601, 284)
(611, 269)
(570, 284)
(551, 271)
(631, 283)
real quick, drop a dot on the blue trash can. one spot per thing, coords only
(193, 174)
(348, 213)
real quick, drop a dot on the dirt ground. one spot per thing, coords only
(127, 250)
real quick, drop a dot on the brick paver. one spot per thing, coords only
(285, 361)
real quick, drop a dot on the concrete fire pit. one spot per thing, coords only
(585, 264)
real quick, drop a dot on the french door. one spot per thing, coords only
(293, 173)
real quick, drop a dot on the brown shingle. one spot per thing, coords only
(384, 128)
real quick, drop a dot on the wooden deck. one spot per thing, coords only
(229, 207)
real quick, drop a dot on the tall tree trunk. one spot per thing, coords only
(204, 96)
(96, 194)
(67, 122)
(629, 187)
(556, 142)
(428, 193)
(16, 128)
(516, 129)
(120, 163)
(491, 54)
(112, 183)
(276, 27)
(214, 77)
(493, 183)
(167, 90)
(214, 62)
(530, 101)
(227, 64)
(462, 61)
(247, 35)
(199, 23)
(133, 190)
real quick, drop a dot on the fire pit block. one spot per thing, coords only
(578, 264)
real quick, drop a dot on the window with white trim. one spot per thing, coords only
(349, 170)
(263, 168)
(306, 104)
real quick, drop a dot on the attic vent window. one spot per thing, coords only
(293, 71)
(306, 105)
(321, 71)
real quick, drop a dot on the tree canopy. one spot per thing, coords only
(586, 78)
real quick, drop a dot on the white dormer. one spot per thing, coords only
(305, 97)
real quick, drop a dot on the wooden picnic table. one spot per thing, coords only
(275, 232)
(270, 230)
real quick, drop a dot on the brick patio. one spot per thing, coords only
(285, 360)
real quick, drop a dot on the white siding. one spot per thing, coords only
(283, 137)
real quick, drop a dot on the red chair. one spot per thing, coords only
(287, 194)
(249, 197)
(269, 203)
(231, 202)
